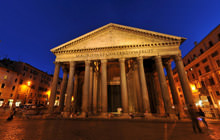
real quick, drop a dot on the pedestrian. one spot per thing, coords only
(12, 113)
(202, 116)
(193, 115)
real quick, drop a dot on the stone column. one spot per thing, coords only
(174, 93)
(63, 88)
(184, 81)
(75, 92)
(54, 87)
(124, 94)
(144, 91)
(95, 90)
(69, 89)
(163, 85)
(85, 96)
(104, 94)
(90, 88)
(138, 90)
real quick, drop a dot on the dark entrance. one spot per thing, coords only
(114, 98)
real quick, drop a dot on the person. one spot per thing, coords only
(202, 116)
(195, 122)
(12, 113)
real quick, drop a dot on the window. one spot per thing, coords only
(217, 93)
(16, 80)
(188, 61)
(3, 85)
(218, 62)
(204, 60)
(219, 36)
(211, 81)
(203, 83)
(210, 44)
(21, 81)
(201, 51)
(193, 76)
(11, 95)
(194, 57)
(197, 65)
(200, 73)
(13, 88)
(214, 54)
(25, 68)
(207, 69)
(24, 74)
(0, 93)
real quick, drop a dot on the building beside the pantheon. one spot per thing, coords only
(202, 65)
(21, 83)
(119, 67)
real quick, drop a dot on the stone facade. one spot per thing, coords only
(22, 83)
(118, 67)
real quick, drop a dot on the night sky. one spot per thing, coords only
(30, 28)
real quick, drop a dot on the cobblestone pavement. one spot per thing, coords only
(103, 130)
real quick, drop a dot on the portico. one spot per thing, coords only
(120, 57)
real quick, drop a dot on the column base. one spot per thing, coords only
(173, 117)
(66, 114)
(148, 115)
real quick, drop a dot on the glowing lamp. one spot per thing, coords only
(29, 83)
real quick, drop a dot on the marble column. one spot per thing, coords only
(124, 93)
(174, 93)
(143, 84)
(95, 91)
(54, 87)
(184, 81)
(163, 85)
(104, 94)
(85, 96)
(69, 88)
(63, 88)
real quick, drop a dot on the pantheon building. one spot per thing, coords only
(119, 67)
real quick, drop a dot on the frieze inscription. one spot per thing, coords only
(121, 53)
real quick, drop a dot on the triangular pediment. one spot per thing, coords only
(112, 35)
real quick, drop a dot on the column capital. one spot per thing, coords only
(64, 68)
(178, 58)
(87, 62)
(157, 58)
(139, 58)
(121, 60)
(56, 63)
(104, 61)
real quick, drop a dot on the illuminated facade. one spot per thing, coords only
(202, 65)
(22, 83)
(117, 67)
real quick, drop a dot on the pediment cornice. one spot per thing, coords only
(165, 39)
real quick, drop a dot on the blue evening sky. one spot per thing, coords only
(30, 28)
